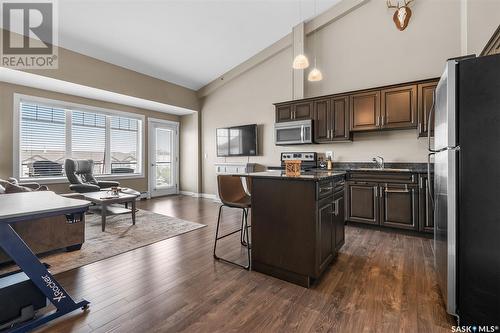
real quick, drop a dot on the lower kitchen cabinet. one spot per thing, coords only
(396, 200)
(339, 219)
(399, 206)
(426, 211)
(326, 232)
(362, 202)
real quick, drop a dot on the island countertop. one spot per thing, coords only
(305, 175)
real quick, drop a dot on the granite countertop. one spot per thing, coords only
(370, 167)
(316, 175)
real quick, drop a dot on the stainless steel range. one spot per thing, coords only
(309, 159)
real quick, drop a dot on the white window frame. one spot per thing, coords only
(19, 98)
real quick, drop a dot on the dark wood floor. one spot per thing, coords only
(380, 282)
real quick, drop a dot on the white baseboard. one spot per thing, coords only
(200, 195)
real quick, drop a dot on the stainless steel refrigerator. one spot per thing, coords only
(466, 196)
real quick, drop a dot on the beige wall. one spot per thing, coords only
(7, 92)
(361, 50)
(81, 69)
(190, 152)
(483, 17)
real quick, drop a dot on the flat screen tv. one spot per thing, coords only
(237, 141)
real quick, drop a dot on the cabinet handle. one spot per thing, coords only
(325, 189)
(375, 190)
(382, 122)
(378, 121)
(405, 190)
(420, 128)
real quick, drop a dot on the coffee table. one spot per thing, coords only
(106, 200)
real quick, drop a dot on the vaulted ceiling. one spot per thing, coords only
(188, 42)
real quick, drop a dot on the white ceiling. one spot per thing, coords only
(189, 42)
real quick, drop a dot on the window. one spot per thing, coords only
(48, 134)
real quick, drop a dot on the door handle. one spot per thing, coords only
(429, 189)
(428, 130)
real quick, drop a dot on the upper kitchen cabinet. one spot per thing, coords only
(331, 119)
(340, 119)
(303, 111)
(299, 110)
(398, 107)
(323, 120)
(284, 112)
(426, 95)
(365, 111)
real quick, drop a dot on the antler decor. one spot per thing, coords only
(402, 14)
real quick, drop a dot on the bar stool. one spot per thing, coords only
(232, 194)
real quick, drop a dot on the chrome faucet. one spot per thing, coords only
(380, 164)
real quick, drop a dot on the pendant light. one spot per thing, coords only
(315, 73)
(300, 61)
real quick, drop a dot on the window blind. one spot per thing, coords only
(46, 140)
(42, 141)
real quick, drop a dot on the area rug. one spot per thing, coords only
(120, 236)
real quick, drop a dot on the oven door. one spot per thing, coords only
(293, 133)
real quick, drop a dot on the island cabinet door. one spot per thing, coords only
(362, 202)
(339, 221)
(325, 233)
(399, 206)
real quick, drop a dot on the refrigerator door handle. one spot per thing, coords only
(431, 111)
(429, 188)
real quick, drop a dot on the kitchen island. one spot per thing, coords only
(297, 223)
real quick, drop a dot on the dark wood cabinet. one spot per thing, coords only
(331, 122)
(323, 120)
(339, 220)
(399, 206)
(399, 107)
(388, 199)
(299, 110)
(426, 211)
(362, 202)
(426, 96)
(336, 117)
(284, 112)
(303, 111)
(365, 111)
(326, 232)
(340, 119)
(294, 236)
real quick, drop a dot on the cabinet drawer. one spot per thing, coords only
(383, 177)
(325, 189)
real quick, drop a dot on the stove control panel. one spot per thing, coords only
(304, 157)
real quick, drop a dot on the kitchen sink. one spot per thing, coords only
(382, 169)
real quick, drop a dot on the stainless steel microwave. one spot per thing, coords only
(293, 132)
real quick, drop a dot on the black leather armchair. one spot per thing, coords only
(81, 177)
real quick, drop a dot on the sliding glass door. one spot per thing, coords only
(163, 157)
